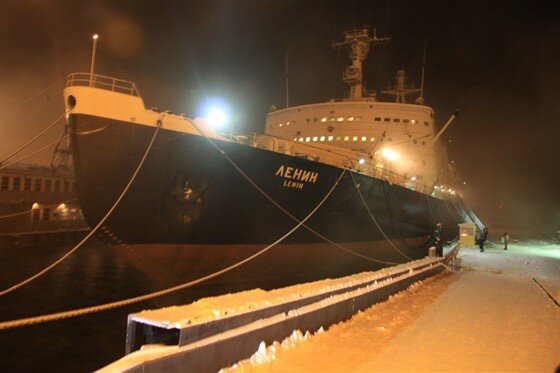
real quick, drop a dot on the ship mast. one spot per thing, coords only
(358, 41)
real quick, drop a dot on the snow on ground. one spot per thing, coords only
(491, 316)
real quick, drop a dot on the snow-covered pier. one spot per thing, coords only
(217, 332)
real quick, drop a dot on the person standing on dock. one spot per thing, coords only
(438, 235)
(482, 239)
(505, 240)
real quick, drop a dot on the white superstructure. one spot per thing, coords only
(395, 136)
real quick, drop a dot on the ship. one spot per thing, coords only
(338, 187)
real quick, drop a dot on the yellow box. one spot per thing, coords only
(467, 234)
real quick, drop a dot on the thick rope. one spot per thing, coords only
(35, 152)
(101, 222)
(106, 306)
(29, 211)
(284, 210)
(32, 140)
(375, 220)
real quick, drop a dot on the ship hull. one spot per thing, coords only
(200, 203)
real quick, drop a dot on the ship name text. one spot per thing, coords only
(296, 176)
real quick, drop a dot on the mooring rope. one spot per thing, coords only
(92, 232)
(87, 310)
(32, 140)
(28, 211)
(222, 152)
(375, 220)
(35, 152)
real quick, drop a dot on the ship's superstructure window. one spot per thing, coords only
(307, 139)
(27, 183)
(396, 120)
(38, 184)
(16, 183)
(364, 138)
(323, 119)
(5, 184)
(66, 186)
(315, 138)
(405, 120)
(322, 138)
(358, 118)
(315, 119)
(330, 138)
(387, 119)
(372, 139)
(377, 119)
(57, 185)
(426, 123)
(331, 119)
(350, 119)
(355, 138)
(307, 120)
(339, 119)
(48, 183)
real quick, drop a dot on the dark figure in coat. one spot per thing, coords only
(482, 239)
(438, 236)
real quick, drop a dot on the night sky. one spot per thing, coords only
(496, 61)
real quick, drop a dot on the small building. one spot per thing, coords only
(467, 233)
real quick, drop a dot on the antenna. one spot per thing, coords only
(420, 99)
(287, 86)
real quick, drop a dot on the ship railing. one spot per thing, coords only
(103, 82)
(340, 158)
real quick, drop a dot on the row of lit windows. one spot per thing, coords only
(353, 119)
(36, 184)
(332, 138)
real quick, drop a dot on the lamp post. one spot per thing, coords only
(95, 37)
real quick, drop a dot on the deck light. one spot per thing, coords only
(389, 154)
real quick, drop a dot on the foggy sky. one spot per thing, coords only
(495, 61)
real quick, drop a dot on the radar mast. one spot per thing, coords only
(358, 41)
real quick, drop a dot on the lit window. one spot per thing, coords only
(322, 138)
(412, 121)
(387, 119)
(372, 139)
(346, 138)
(338, 138)
(364, 138)
(331, 119)
(323, 119)
(330, 138)
(301, 139)
(339, 119)
(315, 138)
(280, 125)
(377, 119)
(350, 119)
(307, 139)
(287, 123)
(405, 120)
(355, 138)
(358, 119)
(295, 138)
